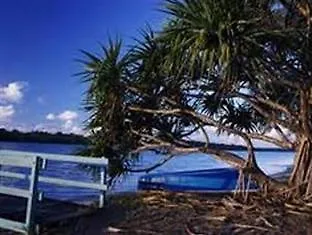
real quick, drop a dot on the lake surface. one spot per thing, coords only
(270, 162)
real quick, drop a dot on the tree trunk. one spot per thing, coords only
(301, 177)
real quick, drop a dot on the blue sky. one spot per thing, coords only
(39, 44)
(40, 40)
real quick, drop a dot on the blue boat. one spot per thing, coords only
(219, 181)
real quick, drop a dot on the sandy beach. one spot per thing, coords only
(189, 214)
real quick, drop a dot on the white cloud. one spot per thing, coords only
(68, 119)
(47, 127)
(77, 130)
(6, 112)
(70, 127)
(12, 93)
(228, 139)
(67, 115)
(68, 124)
(50, 117)
(275, 134)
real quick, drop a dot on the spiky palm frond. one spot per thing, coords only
(215, 36)
(106, 76)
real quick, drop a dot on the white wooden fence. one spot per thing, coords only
(37, 162)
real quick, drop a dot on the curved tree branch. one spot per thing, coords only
(271, 140)
(209, 121)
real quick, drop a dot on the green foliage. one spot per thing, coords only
(232, 65)
(105, 102)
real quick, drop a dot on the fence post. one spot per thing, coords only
(31, 203)
(103, 182)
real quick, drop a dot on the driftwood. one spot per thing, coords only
(250, 227)
(125, 231)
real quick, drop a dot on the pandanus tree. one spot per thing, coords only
(239, 67)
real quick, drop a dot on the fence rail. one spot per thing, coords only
(57, 157)
(37, 162)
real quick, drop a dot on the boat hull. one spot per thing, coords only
(222, 180)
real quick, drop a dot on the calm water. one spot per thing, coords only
(270, 162)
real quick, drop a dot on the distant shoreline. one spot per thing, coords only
(273, 150)
(228, 147)
(34, 142)
(41, 137)
(242, 148)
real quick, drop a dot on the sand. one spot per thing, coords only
(189, 214)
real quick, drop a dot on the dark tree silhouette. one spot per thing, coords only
(41, 137)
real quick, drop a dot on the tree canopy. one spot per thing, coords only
(240, 67)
